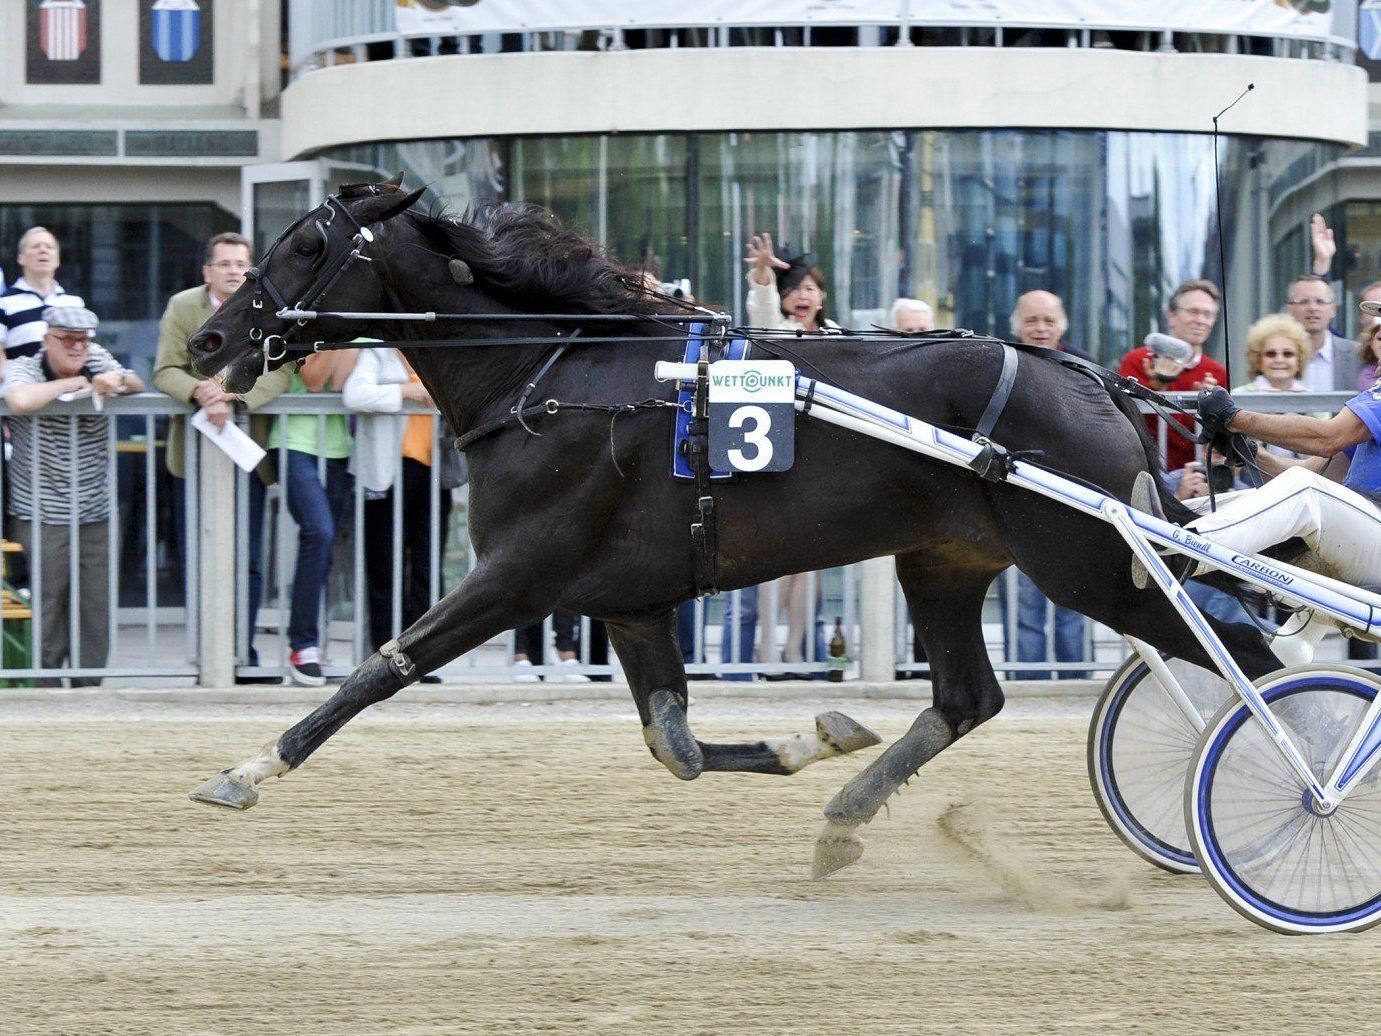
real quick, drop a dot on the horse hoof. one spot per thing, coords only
(843, 734)
(670, 739)
(836, 847)
(226, 790)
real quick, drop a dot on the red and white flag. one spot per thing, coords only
(62, 29)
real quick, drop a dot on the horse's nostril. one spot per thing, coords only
(204, 342)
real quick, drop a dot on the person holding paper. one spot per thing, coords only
(61, 480)
(226, 260)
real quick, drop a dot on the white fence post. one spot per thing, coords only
(878, 620)
(216, 551)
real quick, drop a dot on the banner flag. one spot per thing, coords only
(63, 41)
(176, 42)
(175, 30)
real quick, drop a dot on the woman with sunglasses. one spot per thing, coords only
(1278, 350)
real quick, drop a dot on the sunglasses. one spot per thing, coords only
(1272, 354)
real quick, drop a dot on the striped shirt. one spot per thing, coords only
(73, 452)
(21, 316)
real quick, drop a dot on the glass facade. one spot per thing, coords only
(968, 220)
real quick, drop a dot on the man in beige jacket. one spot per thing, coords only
(227, 260)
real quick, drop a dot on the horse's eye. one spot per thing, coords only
(307, 250)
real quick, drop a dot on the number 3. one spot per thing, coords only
(756, 436)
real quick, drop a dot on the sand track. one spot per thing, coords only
(472, 869)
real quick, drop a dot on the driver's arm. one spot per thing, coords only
(1273, 463)
(1321, 437)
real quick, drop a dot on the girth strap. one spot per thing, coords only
(1002, 392)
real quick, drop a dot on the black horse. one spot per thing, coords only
(584, 515)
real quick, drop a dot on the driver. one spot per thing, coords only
(1341, 524)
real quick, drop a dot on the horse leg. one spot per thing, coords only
(947, 608)
(483, 605)
(656, 675)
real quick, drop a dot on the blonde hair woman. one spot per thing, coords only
(1278, 350)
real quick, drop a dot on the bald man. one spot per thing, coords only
(1039, 319)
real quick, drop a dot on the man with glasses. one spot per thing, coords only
(1334, 365)
(1190, 316)
(226, 261)
(60, 481)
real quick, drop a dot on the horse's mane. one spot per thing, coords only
(526, 255)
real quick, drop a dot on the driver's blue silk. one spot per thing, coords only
(1364, 474)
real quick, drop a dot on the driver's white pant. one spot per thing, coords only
(1341, 526)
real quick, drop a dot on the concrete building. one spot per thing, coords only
(955, 157)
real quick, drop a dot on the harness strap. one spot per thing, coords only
(1001, 394)
(704, 538)
(552, 406)
(527, 391)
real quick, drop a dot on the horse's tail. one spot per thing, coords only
(1174, 510)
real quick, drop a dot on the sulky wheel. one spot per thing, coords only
(1261, 841)
(1140, 744)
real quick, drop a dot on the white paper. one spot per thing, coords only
(98, 402)
(235, 444)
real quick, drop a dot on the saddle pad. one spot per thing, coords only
(735, 349)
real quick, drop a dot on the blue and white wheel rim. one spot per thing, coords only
(1266, 851)
(1144, 749)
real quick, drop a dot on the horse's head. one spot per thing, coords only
(320, 262)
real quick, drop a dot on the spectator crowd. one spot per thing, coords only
(56, 478)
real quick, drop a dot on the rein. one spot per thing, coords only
(343, 245)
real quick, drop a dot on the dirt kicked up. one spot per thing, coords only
(531, 869)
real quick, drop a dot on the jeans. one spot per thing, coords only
(317, 509)
(1031, 642)
(417, 552)
(685, 630)
(746, 621)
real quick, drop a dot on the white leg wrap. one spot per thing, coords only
(800, 750)
(264, 765)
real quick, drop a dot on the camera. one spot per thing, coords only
(1220, 478)
(677, 289)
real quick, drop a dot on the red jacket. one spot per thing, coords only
(1179, 451)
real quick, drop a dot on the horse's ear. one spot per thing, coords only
(461, 272)
(395, 181)
(377, 208)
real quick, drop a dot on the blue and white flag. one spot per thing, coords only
(175, 29)
(1369, 28)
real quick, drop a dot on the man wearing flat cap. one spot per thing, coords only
(60, 481)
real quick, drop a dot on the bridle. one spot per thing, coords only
(340, 249)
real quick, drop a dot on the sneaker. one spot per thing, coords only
(305, 666)
(522, 672)
(573, 677)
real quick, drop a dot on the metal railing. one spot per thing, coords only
(324, 33)
(175, 553)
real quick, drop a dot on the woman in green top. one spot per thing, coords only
(315, 505)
